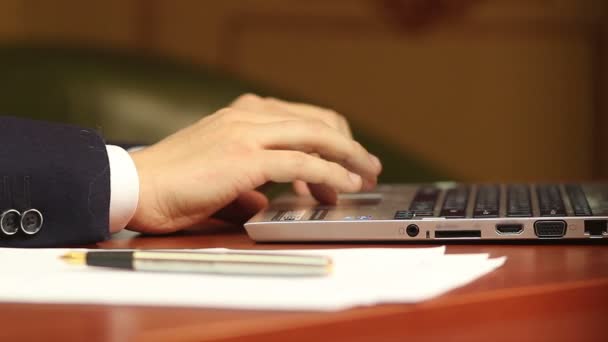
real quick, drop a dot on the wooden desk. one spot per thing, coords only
(543, 292)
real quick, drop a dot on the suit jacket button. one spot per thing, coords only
(31, 221)
(9, 221)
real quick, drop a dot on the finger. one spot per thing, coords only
(243, 207)
(368, 184)
(323, 193)
(288, 166)
(301, 188)
(307, 111)
(315, 137)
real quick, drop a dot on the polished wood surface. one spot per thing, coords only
(556, 292)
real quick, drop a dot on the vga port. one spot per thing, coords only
(550, 229)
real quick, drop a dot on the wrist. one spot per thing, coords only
(145, 216)
(124, 187)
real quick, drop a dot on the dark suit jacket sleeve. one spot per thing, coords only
(60, 170)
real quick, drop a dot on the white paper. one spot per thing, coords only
(361, 276)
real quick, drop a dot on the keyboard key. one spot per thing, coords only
(486, 201)
(518, 201)
(550, 201)
(424, 213)
(578, 200)
(455, 203)
(404, 215)
(318, 214)
(424, 201)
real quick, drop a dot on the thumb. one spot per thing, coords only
(243, 207)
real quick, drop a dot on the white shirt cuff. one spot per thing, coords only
(124, 187)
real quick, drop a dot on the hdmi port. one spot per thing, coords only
(509, 229)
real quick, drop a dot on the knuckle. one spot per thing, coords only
(356, 150)
(334, 169)
(333, 114)
(338, 118)
(301, 167)
(298, 160)
(248, 98)
(345, 175)
(357, 147)
(351, 152)
(339, 173)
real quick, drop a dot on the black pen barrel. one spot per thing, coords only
(114, 259)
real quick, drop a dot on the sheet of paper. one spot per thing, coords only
(361, 276)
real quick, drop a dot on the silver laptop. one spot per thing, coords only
(441, 211)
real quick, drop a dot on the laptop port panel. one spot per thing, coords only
(457, 234)
(509, 228)
(550, 228)
(596, 228)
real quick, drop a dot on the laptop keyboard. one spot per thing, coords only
(487, 201)
(518, 201)
(578, 200)
(550, 201)
(455, 203)
(424, 201)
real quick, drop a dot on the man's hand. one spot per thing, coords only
(215, 165)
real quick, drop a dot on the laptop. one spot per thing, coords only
(440, 211)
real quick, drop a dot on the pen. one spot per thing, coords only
(236, 263)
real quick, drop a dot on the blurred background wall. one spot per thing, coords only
(476, 89)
